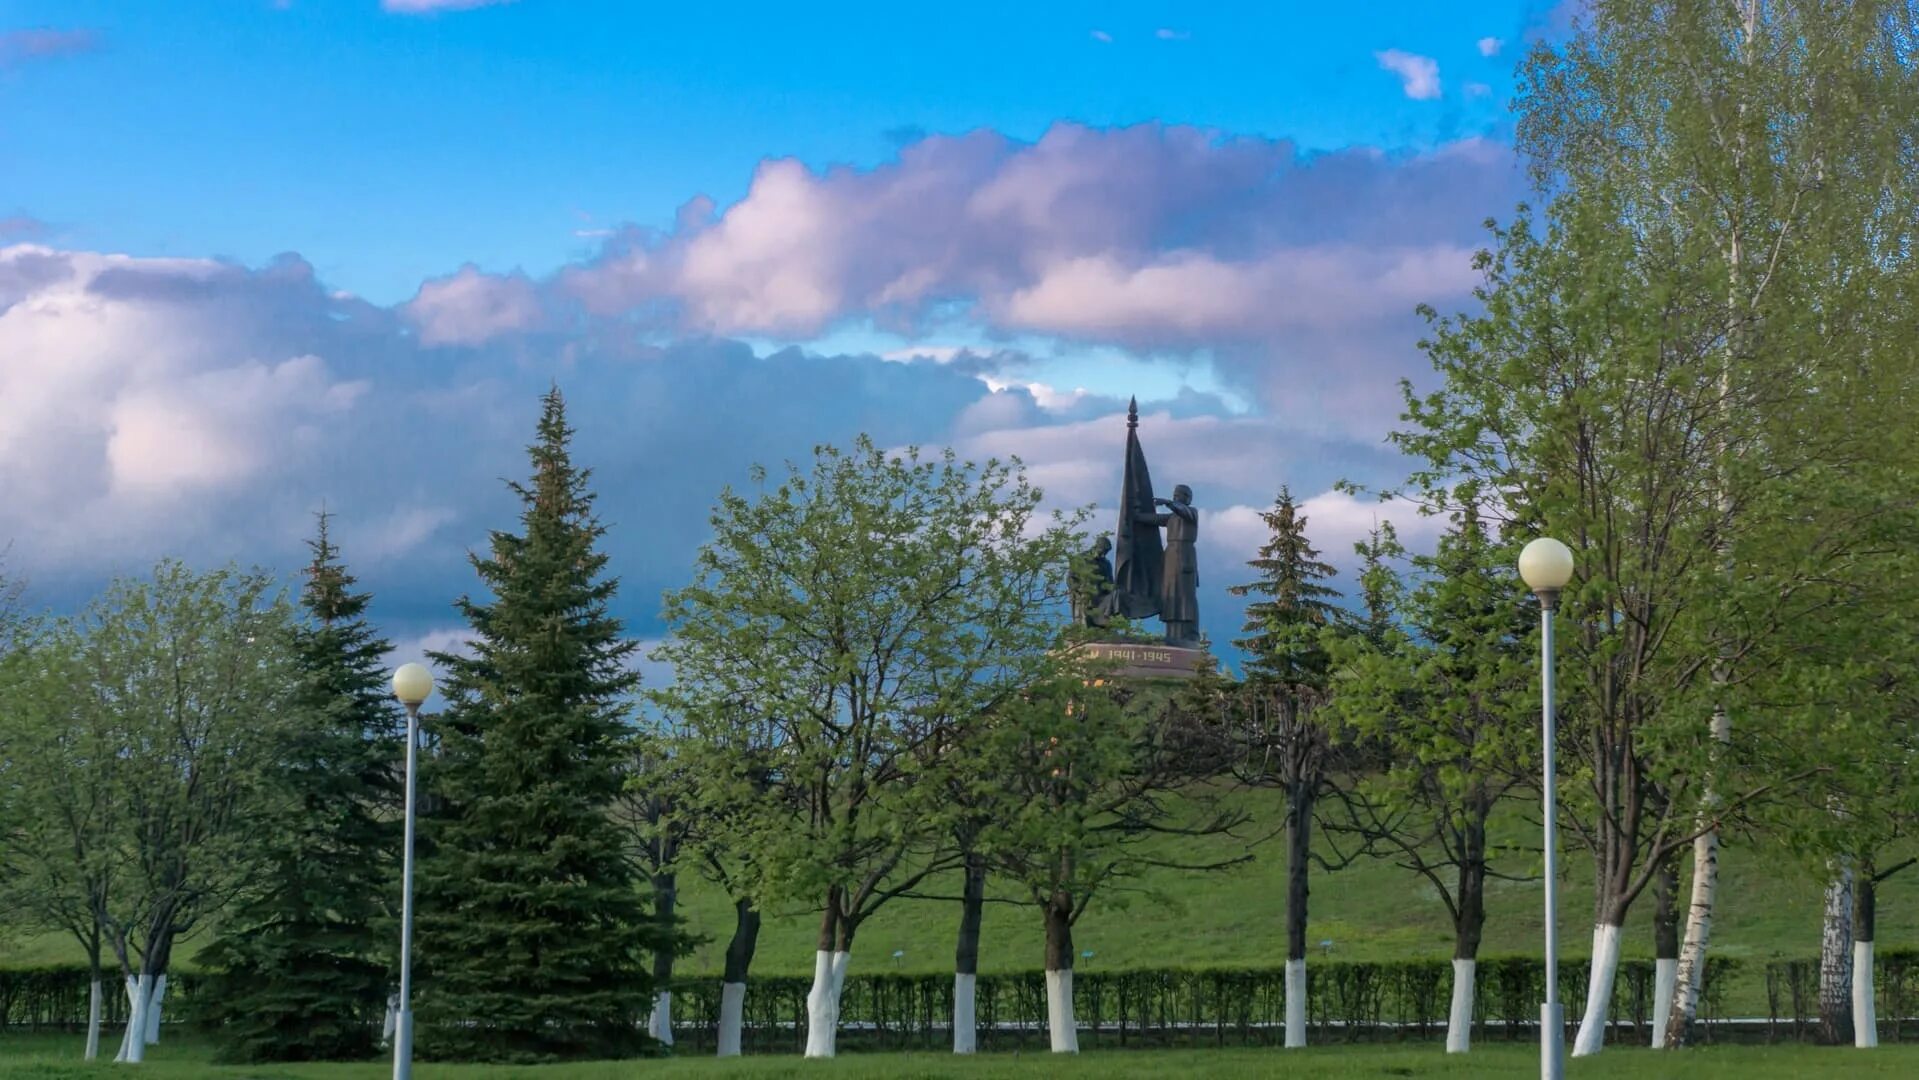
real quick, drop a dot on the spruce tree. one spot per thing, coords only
(1287, 671)
(1283, 626)
(532, 931)
(302, 966)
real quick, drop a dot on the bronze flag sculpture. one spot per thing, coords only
(1151, 578)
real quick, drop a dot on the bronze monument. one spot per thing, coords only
(1150, 576)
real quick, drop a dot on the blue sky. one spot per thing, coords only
(264, 255)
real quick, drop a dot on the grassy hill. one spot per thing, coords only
(1373, 910)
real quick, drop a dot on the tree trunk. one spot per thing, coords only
(1691, 977)
(1605, 965)
(133, 1042)
(153, 1009)
(739, 958)
(1665, 946)
(95, 995)
(1468, 926)
(823, 1000)
(1835, 960)
(665, 899)
(1299, 840)
(1865, 1013)
(966, 957)
(93, 1016)
(1060, 1021)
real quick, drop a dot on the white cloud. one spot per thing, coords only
(1101, 36)
(1418, 75)
(1478, 89)
(1169, 34)
(471, 308)
(1490, 46)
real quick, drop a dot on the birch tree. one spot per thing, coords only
(853, 618)
(1753, 156)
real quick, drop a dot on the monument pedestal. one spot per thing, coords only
(1147, 659)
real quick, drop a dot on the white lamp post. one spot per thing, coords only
(411, 684)
(1546, 565)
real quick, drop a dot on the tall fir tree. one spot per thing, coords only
(533, 933)
(302, 965)
(1283, 625)
(1287, 670)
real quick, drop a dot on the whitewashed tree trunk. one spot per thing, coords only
(823, 1006)
(153, 1010)
(1060, 1022)
(739, 959)
(392, 1020)
(732, 1014)
(133, 1006)
(660, 1025)
(1459, 1022)
(965, 1023)
(1865, 917)
(839, 977)
(1664, 978)
(94, 994)
(133, 1044)
(1865, 1017)
(1605, 965)
(1295, 1003)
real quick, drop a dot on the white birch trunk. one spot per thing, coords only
(823, 1005)
(93, 1020)
(1459, 1023)
(732, 1013)
(1059, 1012)
(1835, 955)
(1295, 1003)
(153, 1010)
(660, 1025)
(965, 1026)
(1665, 976)
(1605, 965)
(1865, 1019)
(1705, 889)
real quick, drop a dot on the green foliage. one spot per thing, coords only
(1443, 701)
(1283, 643)
(305, 960)
(178, 712)
(532, 929)
(842, 630)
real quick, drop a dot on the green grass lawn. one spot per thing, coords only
(1769, 906)
(50, 1057)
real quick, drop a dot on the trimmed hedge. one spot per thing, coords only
(1346, 1000)
(1792, 995)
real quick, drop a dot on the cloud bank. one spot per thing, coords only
(193, 407)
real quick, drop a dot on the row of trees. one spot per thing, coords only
(194, 755)
(1696, 364)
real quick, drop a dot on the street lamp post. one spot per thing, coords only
(1546, 565)
(411, 684)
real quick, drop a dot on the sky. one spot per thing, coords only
(259, 257)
